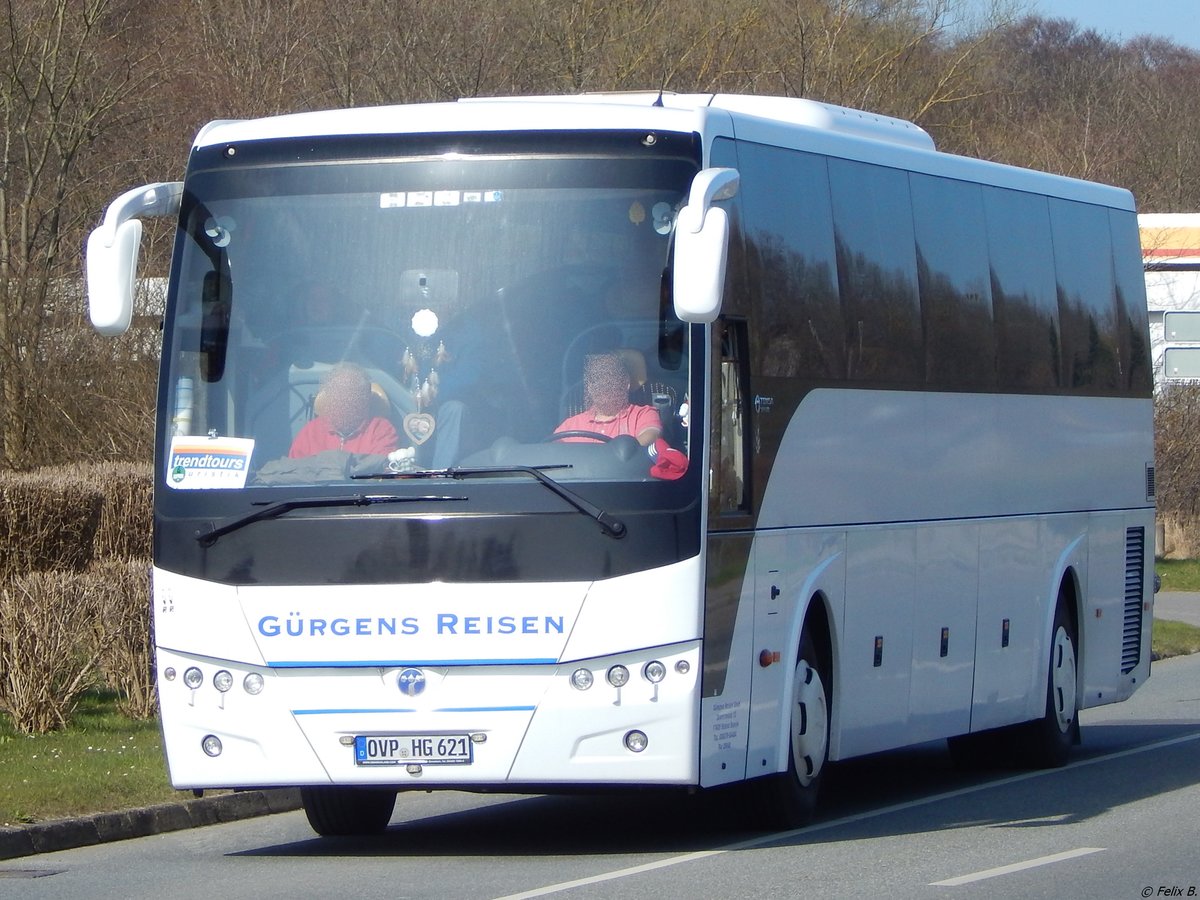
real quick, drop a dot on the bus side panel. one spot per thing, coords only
(855, 456)
(943, 665)
(1100, 648)
(1113, 569)
(1008, 637)
(872, 692)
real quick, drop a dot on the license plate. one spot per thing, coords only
(402, 749)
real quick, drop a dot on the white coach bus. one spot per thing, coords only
(880, 471)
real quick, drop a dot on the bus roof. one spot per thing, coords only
(582, 112)
(782, 121)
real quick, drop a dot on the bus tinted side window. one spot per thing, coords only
(1133, 339)
(952, 266)
(797, 323)
(860, 273)
(1024, 303)
(877, 273)
(1086, 296)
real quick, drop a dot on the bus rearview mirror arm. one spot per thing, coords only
(702, 246)
(112, 253)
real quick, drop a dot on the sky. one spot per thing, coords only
(1120, 20)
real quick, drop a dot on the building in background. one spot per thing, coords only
(1171, 255)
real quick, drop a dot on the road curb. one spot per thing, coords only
(100, 828)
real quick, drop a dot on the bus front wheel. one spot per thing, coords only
(337, 811)
(793, 793)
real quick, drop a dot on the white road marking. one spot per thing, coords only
(1016, 867)
(765, 839)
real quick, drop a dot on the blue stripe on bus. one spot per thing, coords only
(332, 712)
(388, 663)
(447, 709)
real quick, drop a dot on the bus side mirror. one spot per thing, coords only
(702, 246)
(112, 253)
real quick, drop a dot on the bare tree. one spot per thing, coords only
(1163, 158)
(885, 55)
(251, 56)
(1031, 91)
(65, 78)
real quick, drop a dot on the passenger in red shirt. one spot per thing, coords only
(606, 390)
(344, 420)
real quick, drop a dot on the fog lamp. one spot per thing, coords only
(211, 745)
(581, 679)
(636, 741)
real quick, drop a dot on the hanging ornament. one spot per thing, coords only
(420, 425)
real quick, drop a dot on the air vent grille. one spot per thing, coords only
(1135, 579)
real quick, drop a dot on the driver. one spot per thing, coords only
(345, 420)
(606, 383)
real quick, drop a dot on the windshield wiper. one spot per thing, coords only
(274, 510)
(610, 525)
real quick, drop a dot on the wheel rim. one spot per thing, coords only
(1063, 679)
(810, 724)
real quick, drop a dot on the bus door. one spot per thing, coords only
(730, 588)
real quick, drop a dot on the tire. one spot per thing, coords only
(792, 795)
(339, 811)
(1050, 738)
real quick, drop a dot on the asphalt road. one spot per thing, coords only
(1119, 821)
(1179, 607)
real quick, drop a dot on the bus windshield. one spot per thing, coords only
(339, 315)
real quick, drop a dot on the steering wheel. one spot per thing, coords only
(590, 435)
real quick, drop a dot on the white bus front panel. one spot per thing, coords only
(493, 663)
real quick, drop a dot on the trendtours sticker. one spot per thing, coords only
(208, 463)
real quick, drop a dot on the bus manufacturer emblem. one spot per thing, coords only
(411, 682)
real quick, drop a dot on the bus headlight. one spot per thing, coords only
(618, 676)
(193, 678)
(582, 679)
(654, 671)
(223, 680)
(252, 683)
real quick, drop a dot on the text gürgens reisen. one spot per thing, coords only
(296, 625)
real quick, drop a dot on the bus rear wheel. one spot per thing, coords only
(1050, 738)
(793, 794)
(339, 811)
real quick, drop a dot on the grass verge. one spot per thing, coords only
(1173, 639)
(103, 762)
(1178, 574)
